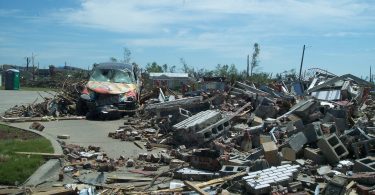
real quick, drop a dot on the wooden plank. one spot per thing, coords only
(160, 145)
(208, 183)
(47, 155)
(56, 191)
(195, 188)
(127, 178)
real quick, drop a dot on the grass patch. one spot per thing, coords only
(14, 168)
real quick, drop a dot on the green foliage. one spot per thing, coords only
(113, 59)
(186, 68)
(15, 169)
(154, 67)
(261, 78)
(287, 75)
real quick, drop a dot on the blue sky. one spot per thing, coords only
(340, 35)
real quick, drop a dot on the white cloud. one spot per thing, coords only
(145, 16)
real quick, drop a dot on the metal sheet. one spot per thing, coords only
(327, 95)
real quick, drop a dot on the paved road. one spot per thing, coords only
(85, 133)
(82, 132)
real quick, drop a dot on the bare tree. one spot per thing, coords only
(255, 61)
(127, 55)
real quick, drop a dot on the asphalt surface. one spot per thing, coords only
(81, 132)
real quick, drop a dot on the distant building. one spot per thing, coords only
(213, 83)
(172, 80)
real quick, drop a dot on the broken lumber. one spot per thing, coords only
(46, 155)
(56, 191)
(127, 178)
(195, 188)
(206, 184)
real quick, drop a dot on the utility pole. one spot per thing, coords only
(27, 63)
(32, 59)
(370, 75)
(248, 66)
(300, 69)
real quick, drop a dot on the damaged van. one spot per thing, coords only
(112, 89)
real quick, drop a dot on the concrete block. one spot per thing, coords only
(315, 155)
(313, 132)
(363, 148)
(201, 127)
(198, 121)
(364, 165)
(265, 138)
(266, 111)
(338, 113)
(332, 148)
(36, 126)
(230, 170)
(256, 121)
(63, 136)
(341, 125)
(296, 121)
(271, 153)
(288, 154)
(336, 186)
(297, 141)
(306, 109)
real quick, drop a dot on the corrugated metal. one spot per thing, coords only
(327, 95)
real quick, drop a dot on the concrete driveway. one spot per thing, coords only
(10, 98)
(82, 132)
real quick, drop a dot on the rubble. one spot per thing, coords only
(255, 140)
(61, 104)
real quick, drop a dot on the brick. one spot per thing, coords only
(332, 148)
(271, 153)
(63, 136)
(259, 182)
(366, 164)
(36, 126)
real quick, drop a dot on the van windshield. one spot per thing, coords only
(112, 75)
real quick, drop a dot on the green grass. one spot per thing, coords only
(14, 168)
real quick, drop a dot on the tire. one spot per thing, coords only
(81, 108)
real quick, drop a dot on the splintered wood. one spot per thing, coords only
(62, 103)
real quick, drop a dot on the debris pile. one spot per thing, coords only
(273, 139)
(62, 103)
(91, 158)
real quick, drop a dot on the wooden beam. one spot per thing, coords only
(127, 178)
(56, 191)
(46, 155)
(195, 188)
(208, 183)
